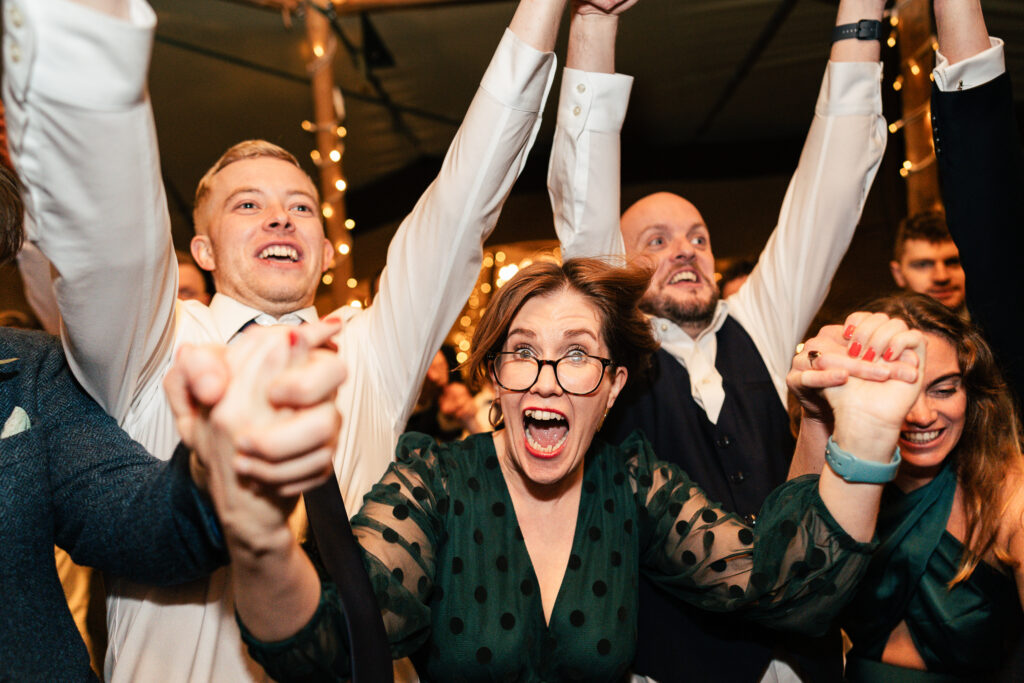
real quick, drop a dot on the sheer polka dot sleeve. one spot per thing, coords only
(795, 569)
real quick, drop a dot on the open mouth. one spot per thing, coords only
(546, 432)
(920, 438)
(281, 253)
(683, 276)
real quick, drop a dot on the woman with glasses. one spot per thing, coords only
(514, 555)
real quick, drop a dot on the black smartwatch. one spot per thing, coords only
(865, 29)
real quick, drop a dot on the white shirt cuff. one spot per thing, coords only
(850, 89)
(71, 54)
(969, 73)
(512, 76)
(593, 101)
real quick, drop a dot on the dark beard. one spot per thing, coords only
(684, 315)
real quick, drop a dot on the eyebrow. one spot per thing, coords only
(258, 191)
(946, 378)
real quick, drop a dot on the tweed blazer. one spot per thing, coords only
(69, 476)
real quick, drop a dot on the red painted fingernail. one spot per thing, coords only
(848, 332)
(869, 354)
(887, 355)
(293, 337)
(855, 349)
(333, 320)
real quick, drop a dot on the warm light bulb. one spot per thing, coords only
(344, 248)
(335, 155)
(341, 131)
(349, 224)
(308, 126)
(352, 282)
(315, 156)
(340, 184)
(318, 50)
(327, 210)
(327, 278)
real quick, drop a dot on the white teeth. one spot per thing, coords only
(543, 414)
(281, 251)
(684, 276)
(542, 449)
(920, 437)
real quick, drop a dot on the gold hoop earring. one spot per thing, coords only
(494, 415)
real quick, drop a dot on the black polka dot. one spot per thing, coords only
(508, 621)
(442, 506)
(709, 516)
(709, 538)
(746, 536)
(480, 594)
(616, 558)
(414, 548)
(575, 562)
(398, 574)
(817, 558)
(422, 585)
(498, 509)
(619, 478)
(491, 462)
(594, 533)
(627, 526)
(735, 592)
(483, 655)
(478, 537)
(459, 507)
(609, 505)
(622, 613)
(675, 508)
(473, 484)
(456, 625)
(788, 528)
(419, 493)
(604, 646)
(645, 480)
(718, 566)
(682, 528)
(526, 587)
(456, 565)
(688, 558)
(501, 563)
(800, 569)
(600, 588)
(390, 535)
(589, 486)
(394, 486)
(400, 511)
(576, 618)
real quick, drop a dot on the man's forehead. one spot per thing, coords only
(663, 210)
(265, 174)
(919, 248)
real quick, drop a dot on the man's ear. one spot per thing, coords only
(202, 252)
(897, 274)
(328, 256)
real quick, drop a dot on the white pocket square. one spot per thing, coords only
(16, 423)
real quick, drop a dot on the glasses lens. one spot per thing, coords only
(579, 373)
(515, 372)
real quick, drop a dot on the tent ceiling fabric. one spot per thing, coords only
(225, 71)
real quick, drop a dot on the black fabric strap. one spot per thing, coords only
(340, 552)
(865, 29)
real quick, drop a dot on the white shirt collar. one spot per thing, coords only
(230, 316)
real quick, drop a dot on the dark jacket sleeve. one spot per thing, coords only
(116, 507)
(977, 145)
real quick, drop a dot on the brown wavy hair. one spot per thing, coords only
(613, 290)
(11, 213)
(989, 447)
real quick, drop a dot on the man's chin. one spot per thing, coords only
(687, 314)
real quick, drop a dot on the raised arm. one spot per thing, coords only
(83, 140)
(584, 171)
(824, 201)
(434, 259)
(981, 172)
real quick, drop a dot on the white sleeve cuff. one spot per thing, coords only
(519, 75)
(969, 73)
(593, 101)
(850, 89)
(75, 55)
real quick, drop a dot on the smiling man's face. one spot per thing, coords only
(264, 242)
(670, 234)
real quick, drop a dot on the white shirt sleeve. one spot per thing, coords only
(83, 140)
(583, 175)
(434, 259)
(822, 207)
(969, 73)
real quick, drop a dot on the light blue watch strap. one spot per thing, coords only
(857, 471)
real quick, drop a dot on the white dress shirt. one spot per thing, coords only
(83, 138)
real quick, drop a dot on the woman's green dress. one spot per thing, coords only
(458, 593)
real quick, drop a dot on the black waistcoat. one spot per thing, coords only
(737, 462)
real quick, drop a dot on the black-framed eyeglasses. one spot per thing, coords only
(576, 372)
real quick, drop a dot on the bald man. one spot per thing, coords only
(715, 399)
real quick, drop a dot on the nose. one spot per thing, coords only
(941, 273)
(683, 249)
(547, 382)
(921, 413)
(277, 218)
